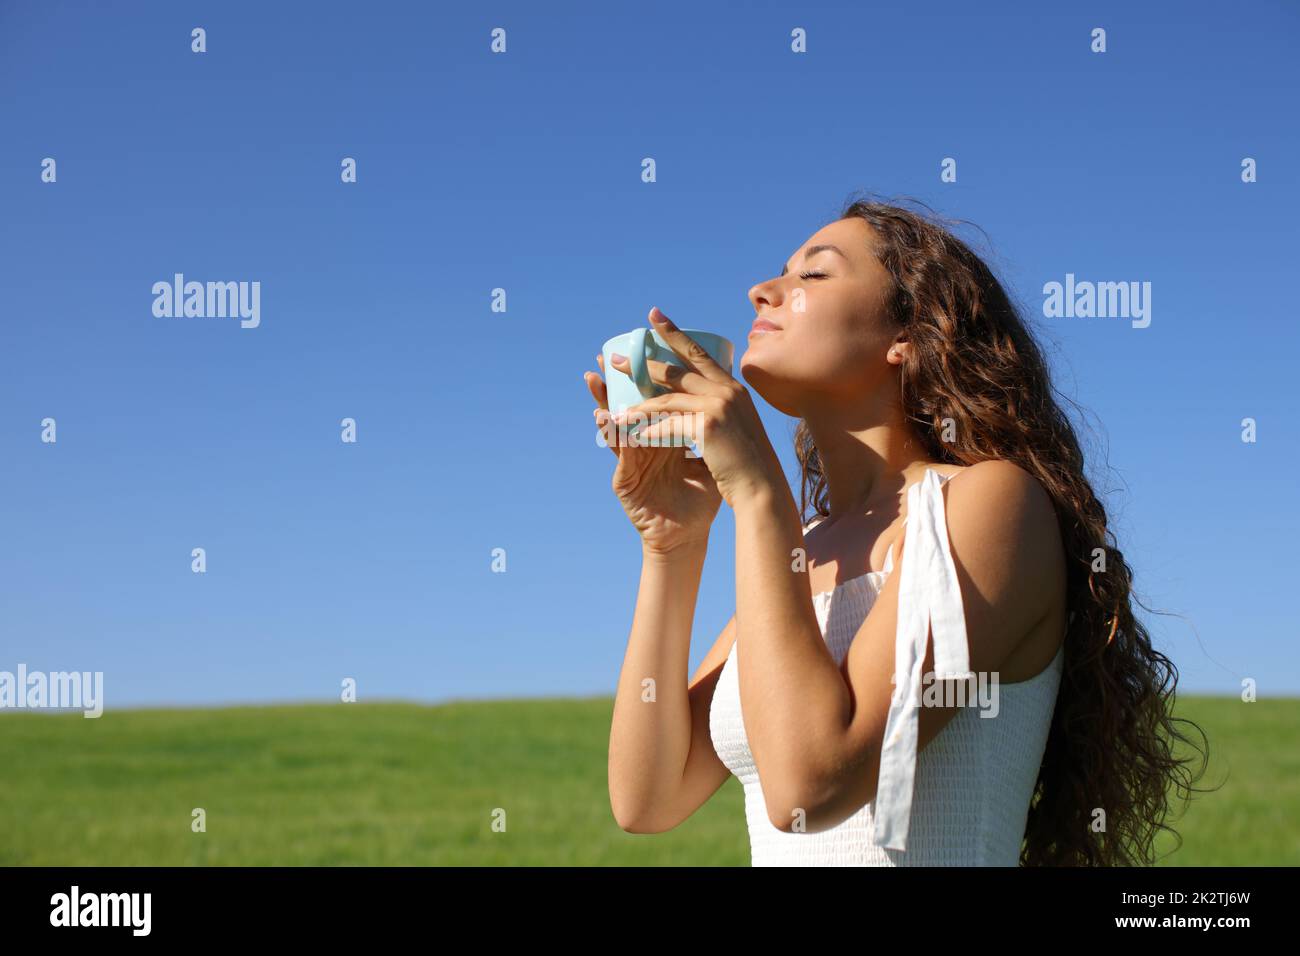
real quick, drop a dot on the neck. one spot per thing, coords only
(868, 456)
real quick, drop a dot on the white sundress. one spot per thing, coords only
(964, 799)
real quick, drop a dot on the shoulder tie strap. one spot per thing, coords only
(929, 598)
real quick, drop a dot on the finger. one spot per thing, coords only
(666, 431)
(615, 434)
(606, 430)
(675, 414)
(673, 377)
(604, 391)
(679, 379)
(670, 402)
(618, 432)
(596, 385)
(687, 349)
(604, 427)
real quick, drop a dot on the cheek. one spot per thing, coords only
(840, 326)
(827, 343)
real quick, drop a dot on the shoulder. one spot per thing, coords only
(1004, 539)
(1002, 486)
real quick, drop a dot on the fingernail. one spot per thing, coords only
(615, 357)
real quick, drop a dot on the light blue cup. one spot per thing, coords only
(639, 345)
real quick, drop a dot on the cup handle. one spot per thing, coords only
(637, 360)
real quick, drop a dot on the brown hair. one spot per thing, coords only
(973, 362)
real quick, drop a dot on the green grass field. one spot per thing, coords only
(404, 784)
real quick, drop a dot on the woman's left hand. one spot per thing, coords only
(713, 409)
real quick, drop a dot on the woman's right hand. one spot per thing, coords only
(670, 499)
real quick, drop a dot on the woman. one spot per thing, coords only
(987, 697)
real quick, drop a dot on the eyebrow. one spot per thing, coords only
(813, 250)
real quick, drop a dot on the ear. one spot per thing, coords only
(898, 352)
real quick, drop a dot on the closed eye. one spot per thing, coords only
(812, 275)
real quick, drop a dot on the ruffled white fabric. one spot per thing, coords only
(961, 801)
(929, 598)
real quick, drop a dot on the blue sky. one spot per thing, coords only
(522, 171)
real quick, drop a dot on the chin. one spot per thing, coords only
(747, 364)
(765, 378)
(753, 349)
(757, 374)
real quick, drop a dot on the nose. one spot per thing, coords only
(765, 293)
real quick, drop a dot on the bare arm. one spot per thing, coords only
(662, 765)
(817, 737)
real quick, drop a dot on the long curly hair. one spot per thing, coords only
(976, 376)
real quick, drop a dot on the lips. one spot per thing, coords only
(763, 325)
